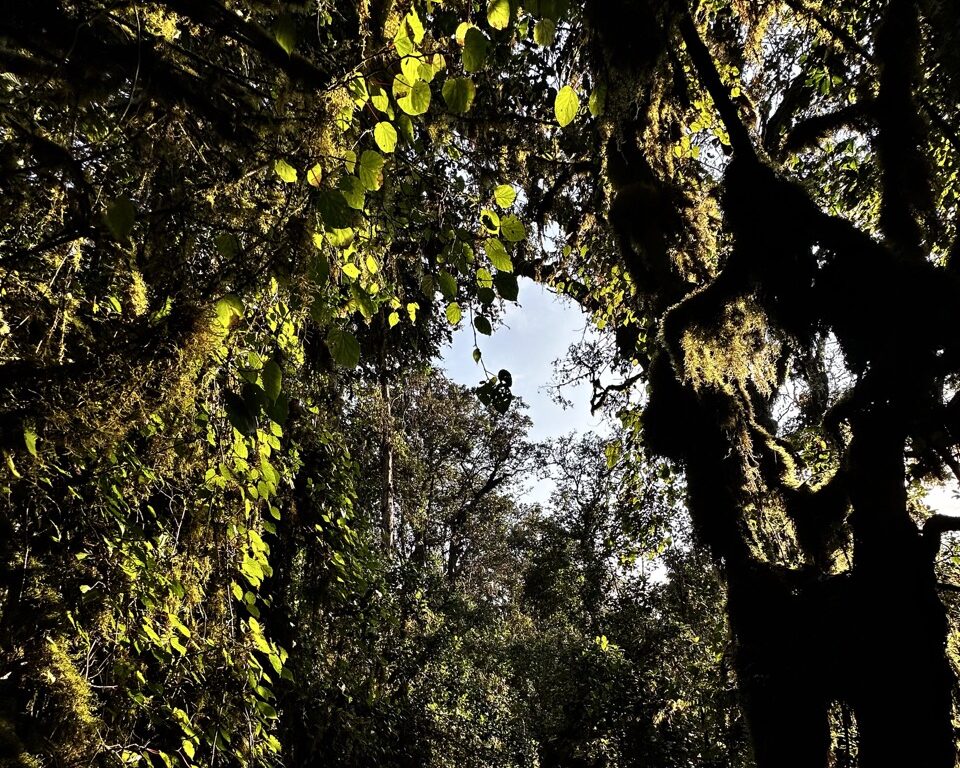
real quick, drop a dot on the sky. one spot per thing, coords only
(533, 334)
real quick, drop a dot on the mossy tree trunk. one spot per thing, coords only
(832, 589)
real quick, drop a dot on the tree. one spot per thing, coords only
(751, 191)
(830, 148)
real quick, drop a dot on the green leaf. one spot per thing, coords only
(351, 270)
(498, 13)
(490, 220)
(344, 348)
(448, 285)
(597, 100)
(364, 303)
(228, 310)
(415, 99)
(410, 67)
(497, 254)
(119, 217)
(544, 31)
(286, 33)
(458, 94)
(477, 354)
(339, 238)
(279, 411)
(403, 43)
(379, 98)
(453, 313)
(353, 192)
(474, 50)
(416, 26)
(285, 171)
(371, 170)
(507, 286)
(393, 319)
(314, 175)
(484, 278)
(272, 380)
(461, 34)
(565, 106)
(486, 296)
(405, 126)
(357, 88)
(482, 325)
(504, 195)
(239, 414)
(386, 136)
(227, 244)
(188, 748)
(30, 439)
(512, 229)
(426, 72)
(495, 394)
(334, 210)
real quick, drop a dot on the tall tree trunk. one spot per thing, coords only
(901, 688)
(874, 636)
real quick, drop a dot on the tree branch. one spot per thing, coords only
(934, 528)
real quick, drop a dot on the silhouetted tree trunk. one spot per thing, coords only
(807, 634)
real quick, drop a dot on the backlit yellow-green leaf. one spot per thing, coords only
(461, 32)
(490, 220)
(416, 26)
(498, 254)
(410, 67)
(453, 313)
(386, 136)
(285, 171)
(498, 13)
(30, 439)
(512, 229)
(504, 195)
(371, 169)
(414, 99)
(565, 106)
(228, 310)
(544, 31)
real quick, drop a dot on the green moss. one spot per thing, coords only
(70, 704)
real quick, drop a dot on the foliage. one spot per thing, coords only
(243, 524)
